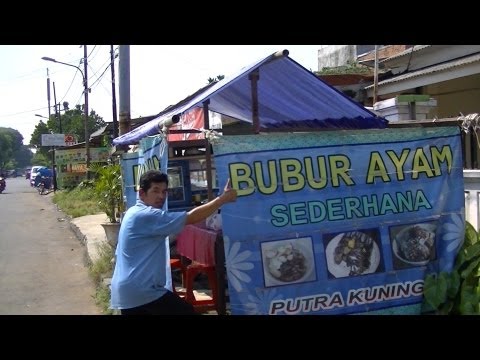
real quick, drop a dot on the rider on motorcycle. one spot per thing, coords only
(45, 175)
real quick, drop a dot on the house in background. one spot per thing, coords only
(449, 75)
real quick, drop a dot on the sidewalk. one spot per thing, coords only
(90, 232)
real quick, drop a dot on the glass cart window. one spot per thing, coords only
(176, 191)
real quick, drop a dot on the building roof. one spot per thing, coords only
(406, 52)
(289, 97)
(432, 69)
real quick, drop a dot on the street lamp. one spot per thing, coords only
(85, 90)
(41, 116)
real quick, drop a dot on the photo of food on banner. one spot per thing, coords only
(288, 261)
(413, 244)
(353, 253)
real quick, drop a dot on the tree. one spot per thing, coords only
(11, 142)
(5, 148)
(71, 122)
(41, 159)
(23, 157)
(36, 139)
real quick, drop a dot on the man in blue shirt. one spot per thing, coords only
(140, 275)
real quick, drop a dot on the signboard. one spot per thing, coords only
(152, 155)
(69, 140)
(58, 139)
(343, 222)
(71, 164)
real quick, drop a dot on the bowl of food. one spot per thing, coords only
(287, 262)
(352, 253)
(415, 244)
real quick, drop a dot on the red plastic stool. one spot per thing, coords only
(191, 272)
(176, 263)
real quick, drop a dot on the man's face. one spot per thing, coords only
(155, 196)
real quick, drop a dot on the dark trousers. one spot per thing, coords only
(168, 304)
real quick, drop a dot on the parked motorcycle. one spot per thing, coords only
(3, 184)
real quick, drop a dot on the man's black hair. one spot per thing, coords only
(152, 176)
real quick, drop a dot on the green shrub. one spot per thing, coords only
(99, 270)
(76, 202)
(457, 292)
(108, 190)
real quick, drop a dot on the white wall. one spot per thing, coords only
(472, 197)
(336, 55)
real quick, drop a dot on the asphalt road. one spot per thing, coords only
(42, 263)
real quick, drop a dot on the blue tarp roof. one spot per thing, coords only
(289, 97)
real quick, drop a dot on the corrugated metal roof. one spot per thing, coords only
(99, 132)
(436, 68)
(406, 52)
(289, 97)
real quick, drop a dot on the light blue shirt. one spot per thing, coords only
(141, 265)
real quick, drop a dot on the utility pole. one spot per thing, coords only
(48, 93)
(87, 135)
(57, 112)
(54, 171)
(124, 88)
(375, 77)
(114, 100)
(53, 147)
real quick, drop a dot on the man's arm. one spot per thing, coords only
(203, 211)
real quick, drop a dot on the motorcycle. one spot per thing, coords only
(43, 185)
(3, 184)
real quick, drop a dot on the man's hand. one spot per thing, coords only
(229, 194)
(201, 212)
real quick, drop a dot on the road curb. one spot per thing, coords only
(89, 231)
(78, 232)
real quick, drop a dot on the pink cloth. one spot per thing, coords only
(197, 243)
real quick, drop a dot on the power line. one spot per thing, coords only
(24, 112)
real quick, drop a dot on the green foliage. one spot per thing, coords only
(40, 158)
(102, 299)
(79, 201)
(11, 141)
(100, 269)
(108, 189)
(457, 292)
(36, 141)
(350, 68)
(23, 157)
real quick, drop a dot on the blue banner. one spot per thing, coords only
(152, 154)
(340, 222)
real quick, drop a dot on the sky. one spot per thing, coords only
(160, 75)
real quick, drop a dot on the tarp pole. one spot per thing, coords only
(164, 124)
(254, 76)
(208, 153)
